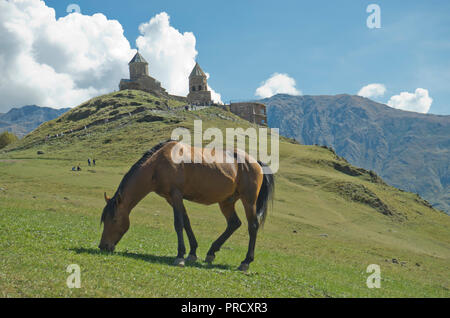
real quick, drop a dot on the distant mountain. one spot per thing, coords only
(409, 150)
(23, 120)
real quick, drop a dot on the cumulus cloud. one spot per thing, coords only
(372, 90)
(57, 62)
(216, 97)
(63, 62)
(419, 101)
(277, 84)
(170, 54)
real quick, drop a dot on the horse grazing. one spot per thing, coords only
(207, 182)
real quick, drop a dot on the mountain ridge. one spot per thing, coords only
(407, 149)
(22, 120)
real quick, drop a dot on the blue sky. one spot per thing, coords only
(325, 46)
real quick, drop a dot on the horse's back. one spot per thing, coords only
(202, 182)
(205, 180)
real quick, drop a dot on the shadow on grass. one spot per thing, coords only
(156, 259)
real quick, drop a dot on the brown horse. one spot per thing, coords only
(204, 183)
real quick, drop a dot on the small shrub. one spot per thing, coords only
(79, 115)
(150, 118)
(7, 138)
(359, 193)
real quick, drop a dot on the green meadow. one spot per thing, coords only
(328, 223)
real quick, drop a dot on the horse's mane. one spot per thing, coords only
(110, 207)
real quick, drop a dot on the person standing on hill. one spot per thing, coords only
(89, 162)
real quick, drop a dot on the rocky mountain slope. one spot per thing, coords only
(408, 150)
(23, 120)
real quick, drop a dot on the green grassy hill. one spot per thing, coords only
(330, 220)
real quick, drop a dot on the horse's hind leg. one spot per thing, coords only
(233, 223)
(253, 225)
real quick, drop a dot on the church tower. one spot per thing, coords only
(198, 87)
(139, 78)
(138, 67)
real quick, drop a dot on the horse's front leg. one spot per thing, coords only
(178, 215)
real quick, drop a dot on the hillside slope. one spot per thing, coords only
(330, 220)
(409, 150)
(20, 121)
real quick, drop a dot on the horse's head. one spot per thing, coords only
(116, 221)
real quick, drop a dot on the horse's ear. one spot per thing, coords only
(106, 198)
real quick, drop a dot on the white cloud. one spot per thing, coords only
(63, 62)
(277, 84)
(170, 54)
(419, 101)
(216, 97)
(57, 62)
(372, 90)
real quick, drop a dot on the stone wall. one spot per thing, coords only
(182, 99)
(199, 98)
(198, 91)
(144, 83)
(137, 70)
(251, 111)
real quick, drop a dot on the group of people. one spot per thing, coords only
(190, 107)
(78, 168)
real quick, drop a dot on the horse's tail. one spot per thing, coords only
(265, 194)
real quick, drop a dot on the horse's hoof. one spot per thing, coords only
(210, 258)
(179, 261)
(243, 267)
(191, 258)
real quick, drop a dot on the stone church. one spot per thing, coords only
(139, 78)
(198, 91)
(198, 87)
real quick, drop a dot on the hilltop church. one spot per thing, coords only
(139, 78)
(198, 90)
(198, 87)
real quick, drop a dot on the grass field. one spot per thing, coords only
(327, 224)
